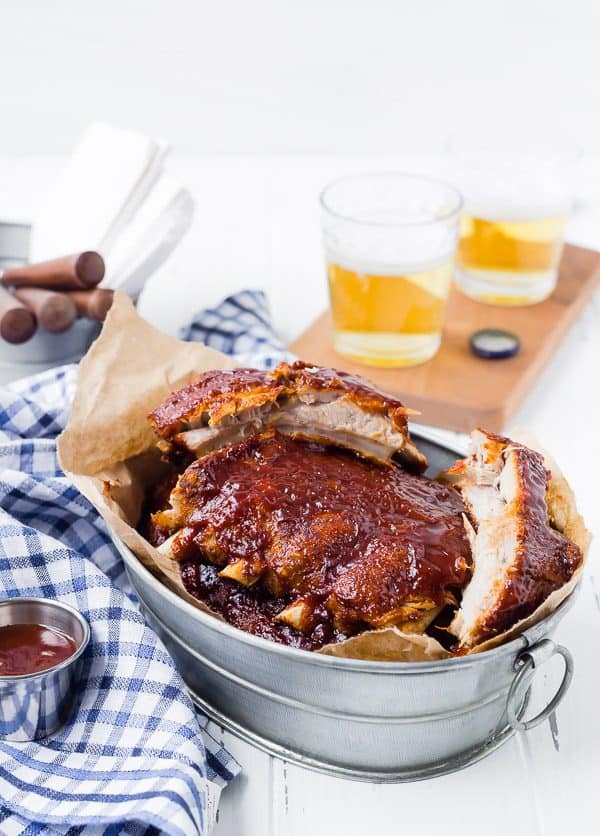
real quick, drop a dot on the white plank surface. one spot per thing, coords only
(311, 76)
(257, 225)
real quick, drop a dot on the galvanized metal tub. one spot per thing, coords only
(379, 721)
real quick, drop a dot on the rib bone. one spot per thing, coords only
(238, 571)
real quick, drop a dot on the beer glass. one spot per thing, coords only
(518, 190)
(390, 241)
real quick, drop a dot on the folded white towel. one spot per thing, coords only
(98, 192)
(158, 226)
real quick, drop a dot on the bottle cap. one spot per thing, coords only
(494, 344)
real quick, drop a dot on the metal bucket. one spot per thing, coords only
(43, 350)
(378, 721)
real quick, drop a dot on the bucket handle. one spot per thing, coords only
(525, 662)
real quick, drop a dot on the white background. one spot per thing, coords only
(301, 76)
(264, 102)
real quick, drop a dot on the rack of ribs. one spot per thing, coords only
(224, 406)
(519, 556)
(355, 542)
(300, 496)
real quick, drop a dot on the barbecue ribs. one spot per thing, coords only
(222, 407)
(297, 509)
(519, 558)
(344, 539)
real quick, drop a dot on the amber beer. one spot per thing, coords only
(509, 261)
(392, 319)
(390, 241)
(518, 184)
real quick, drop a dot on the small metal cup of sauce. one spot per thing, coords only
(41, 647)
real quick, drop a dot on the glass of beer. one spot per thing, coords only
(518, 190)
(390, 241)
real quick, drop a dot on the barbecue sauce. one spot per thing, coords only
(322, 513)
(374, 535)
(252, 609)
(31, 648)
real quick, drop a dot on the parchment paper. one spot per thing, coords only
(109, 452)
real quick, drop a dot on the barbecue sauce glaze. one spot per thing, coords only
(31, 648)
(372, 535)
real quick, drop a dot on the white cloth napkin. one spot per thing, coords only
(112, 196)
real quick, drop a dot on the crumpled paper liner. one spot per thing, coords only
(109, 452)
(388, 645)
(127, 372)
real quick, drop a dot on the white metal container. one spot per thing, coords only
(35, 705)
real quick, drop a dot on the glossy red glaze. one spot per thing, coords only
(31, 648)
(353, 539)
(252, 609)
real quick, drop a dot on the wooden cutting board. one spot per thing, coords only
(456, 389)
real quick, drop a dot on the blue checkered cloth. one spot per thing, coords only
(136, 757)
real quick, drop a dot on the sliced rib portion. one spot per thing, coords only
(339, 539)
(225, 406)
(518, 557)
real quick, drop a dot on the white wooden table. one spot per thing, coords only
(257, 225)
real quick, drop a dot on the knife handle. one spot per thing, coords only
(93, 303)
(73, 272)
(17, 322)
(55, 312)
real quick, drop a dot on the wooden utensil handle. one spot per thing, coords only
(17, 322)
(55, 312)
(94, 304)
(73, 272)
